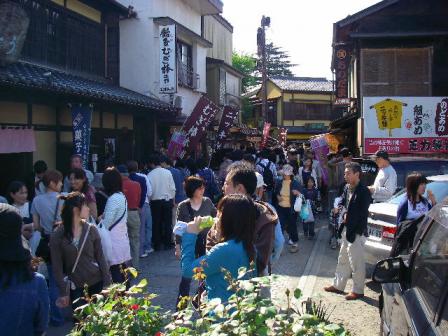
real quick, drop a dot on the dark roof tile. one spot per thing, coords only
(311, 84)
(37, 77)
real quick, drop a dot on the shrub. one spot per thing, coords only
(249, 311)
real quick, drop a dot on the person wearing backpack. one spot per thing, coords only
(269, 172)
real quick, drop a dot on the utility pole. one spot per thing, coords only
(261, 42)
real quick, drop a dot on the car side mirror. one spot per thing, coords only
(388, 270)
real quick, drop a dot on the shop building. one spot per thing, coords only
(71, 57)
(141, 55)
(302, 105)
(395, 48)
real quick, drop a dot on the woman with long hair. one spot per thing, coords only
(79, 182)
(24, 303)
(76, 253)
(415, 204)
(114, 219)
(306, 172)
(236, 222)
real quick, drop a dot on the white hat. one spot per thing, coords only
(260, 180)
(287, 170)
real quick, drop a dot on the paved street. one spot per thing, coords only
(310, 269)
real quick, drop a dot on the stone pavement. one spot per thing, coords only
(360, 317)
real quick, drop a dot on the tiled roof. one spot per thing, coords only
(311, 84)
(26, 75)
(304, 130)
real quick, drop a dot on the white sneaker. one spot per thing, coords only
(290, 242)
(144, 255)
(151, 250)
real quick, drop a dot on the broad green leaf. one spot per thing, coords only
(297, 293)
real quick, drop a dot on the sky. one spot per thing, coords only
(304, 28)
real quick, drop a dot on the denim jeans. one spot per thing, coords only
(56, 314)
(145, 228)
(279, 241)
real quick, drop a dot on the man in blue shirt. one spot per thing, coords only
(145, 210)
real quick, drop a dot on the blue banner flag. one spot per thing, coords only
(81, 118)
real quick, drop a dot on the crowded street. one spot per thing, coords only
(223, 167)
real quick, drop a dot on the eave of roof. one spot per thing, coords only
(36, 77)
(182, 29)
(226, 66)
(365, 12)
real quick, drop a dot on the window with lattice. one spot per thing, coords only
(396, 72)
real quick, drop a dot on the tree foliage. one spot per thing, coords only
(246, 64)
(277, 62)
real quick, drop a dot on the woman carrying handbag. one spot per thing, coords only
(76, 253)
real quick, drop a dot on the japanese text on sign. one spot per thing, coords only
(405, 124)
(168, 72)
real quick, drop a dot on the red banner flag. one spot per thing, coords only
(266, 128)
(228, 116)
(196, 124)
(282, 136)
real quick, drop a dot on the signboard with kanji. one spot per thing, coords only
(196, 124)
(405, 124)
(228, 116)
(81, 121)
(341, 64)
(168, 72)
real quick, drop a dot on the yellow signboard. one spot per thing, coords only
(389, 114)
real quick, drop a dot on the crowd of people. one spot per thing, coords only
(86, 228)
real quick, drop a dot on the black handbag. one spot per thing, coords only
(43, 249)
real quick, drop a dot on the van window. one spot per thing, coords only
(430, 267)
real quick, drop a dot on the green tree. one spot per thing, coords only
(277, 62)
(246, 64)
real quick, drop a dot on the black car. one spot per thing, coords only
(414, 294)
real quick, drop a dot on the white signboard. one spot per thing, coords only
(168, 72)
(405, 124)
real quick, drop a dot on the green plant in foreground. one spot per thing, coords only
(119, 312)
(249, 311)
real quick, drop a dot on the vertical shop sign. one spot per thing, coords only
(168, 72)
(81, 121)
(341, 68)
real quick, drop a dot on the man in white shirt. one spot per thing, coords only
(162, 201)
(385, 183)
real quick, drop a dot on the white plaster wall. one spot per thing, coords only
(139, 48)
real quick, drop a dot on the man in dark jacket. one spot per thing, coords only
(241, 180)
(351, 261)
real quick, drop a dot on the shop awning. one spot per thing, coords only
(17, 141)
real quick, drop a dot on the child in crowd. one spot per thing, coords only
(311, 195)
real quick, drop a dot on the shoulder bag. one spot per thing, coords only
(70, 284)
(106, 242)
(43, 249)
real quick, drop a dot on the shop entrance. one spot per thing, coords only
(14, 166)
